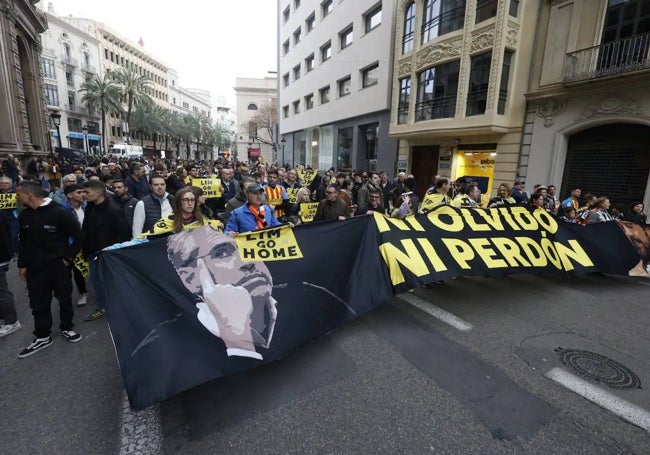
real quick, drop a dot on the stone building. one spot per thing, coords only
(252, 96)
(23, 121)
(588, 119)
(460, 75)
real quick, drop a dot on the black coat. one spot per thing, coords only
(104, 225)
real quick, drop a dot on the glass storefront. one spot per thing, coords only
(344, 152)
(314, 147)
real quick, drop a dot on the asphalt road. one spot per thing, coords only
(395, 381)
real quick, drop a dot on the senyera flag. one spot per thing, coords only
(199, 305)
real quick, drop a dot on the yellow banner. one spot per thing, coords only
(308, 211)
(293, 195)
(211, 187)
(7, 201)
(307, 176)
(479, 164)
(81, 264)
(277, 244)
(166, 226)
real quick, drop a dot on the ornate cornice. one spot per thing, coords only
(482, 41)
(432, 54)
(612, 105)
(404, 67)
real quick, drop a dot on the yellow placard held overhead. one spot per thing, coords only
(211, 186)
(307, 176)
(293, 195)
(7, 201)
(478, 164)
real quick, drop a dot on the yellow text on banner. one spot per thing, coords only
(7, 201)
(307, 176)
(277, 244)
(211, 187)
(308, 211)
(293, 195)
(81, 264)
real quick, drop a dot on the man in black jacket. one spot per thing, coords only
(7, 304)
(105, 224)
(50, 238)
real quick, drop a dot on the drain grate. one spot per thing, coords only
(598, 368)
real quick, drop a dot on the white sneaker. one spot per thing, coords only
(83, 299)
(10, 328)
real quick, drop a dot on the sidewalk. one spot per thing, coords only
(64, 399)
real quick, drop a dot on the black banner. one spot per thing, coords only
(200, 305)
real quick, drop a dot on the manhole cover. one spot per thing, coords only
(598, 368)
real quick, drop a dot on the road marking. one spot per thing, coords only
(622, 408)
(436, 312)
(643, 282)
(140, 432)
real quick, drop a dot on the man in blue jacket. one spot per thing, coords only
(253, 215)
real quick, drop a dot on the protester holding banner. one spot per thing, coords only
(503, 197)
(240, 197)
(49, 240)
(332, 208)
(467, 197)
(372, 205)
(152, 207)
(437, 196)
(251, 216)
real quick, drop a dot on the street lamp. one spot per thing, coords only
(283, 142)
(370, 147)
(56, 119)
(84, 129)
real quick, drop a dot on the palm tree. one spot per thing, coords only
(101, 94)
(134, 88)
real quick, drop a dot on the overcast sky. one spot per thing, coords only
(209, 42)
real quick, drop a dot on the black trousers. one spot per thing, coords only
(79, 280)
(41, 285)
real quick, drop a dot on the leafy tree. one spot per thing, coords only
(102, 94)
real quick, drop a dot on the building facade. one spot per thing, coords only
(188, 101)
(460, 77)
(69, 58)
(256, 99)
(334, 83)
(119, 52)
(23, 120)
(588, 117)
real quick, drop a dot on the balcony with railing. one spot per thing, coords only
(88, 68)
(609, 59)
(68, 60)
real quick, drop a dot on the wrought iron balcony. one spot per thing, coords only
(609, 59)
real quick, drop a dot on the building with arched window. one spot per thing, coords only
(460, 76)
(588, 118)
(23, 121)
(69, 58)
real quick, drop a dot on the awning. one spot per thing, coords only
(75, 135)
(94, 137)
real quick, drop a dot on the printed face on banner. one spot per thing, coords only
(236, 296)
(639, 236)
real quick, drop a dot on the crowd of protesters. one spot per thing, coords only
(66, 213)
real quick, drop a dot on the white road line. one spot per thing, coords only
(436, 312)
(622, 408)
(140, 432)
(643, 282)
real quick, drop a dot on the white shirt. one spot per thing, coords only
(139, 215)
(80, 214)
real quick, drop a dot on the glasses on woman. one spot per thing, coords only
(188, 200)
